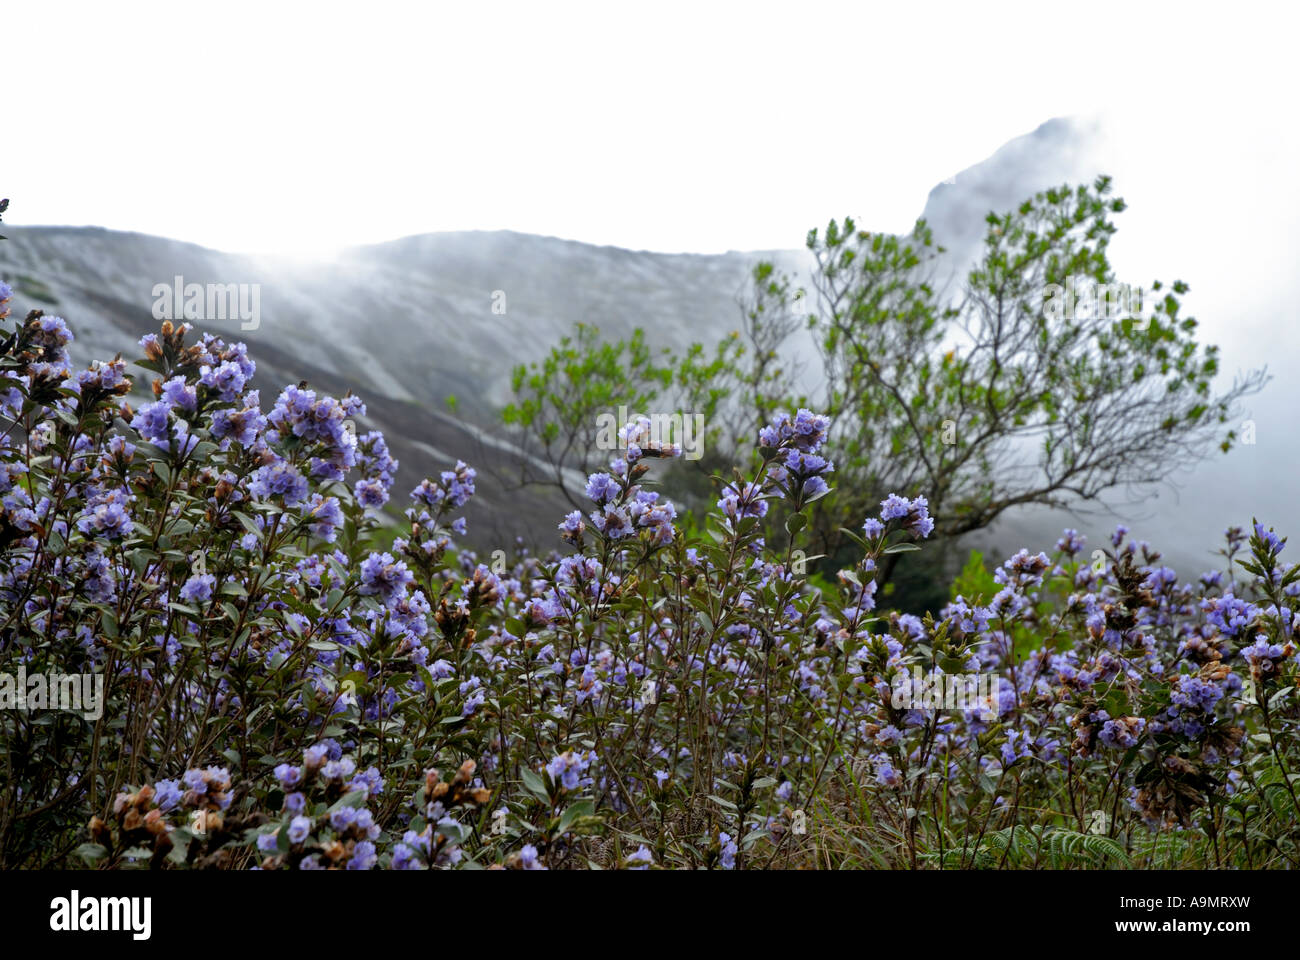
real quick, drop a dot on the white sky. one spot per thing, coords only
(699, 126)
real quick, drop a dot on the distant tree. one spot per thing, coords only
(1012, 394)
(559, 399)
(567, 406)
(564, 401)
(763, 374)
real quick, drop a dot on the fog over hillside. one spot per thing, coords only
(407, 323)
(1243, 301)
(402, 324)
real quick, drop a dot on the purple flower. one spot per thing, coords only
(243, 425)
(813, 487)
(1123, 733)
(727, 856)
(363, 856)
(613, 521)
(806, 431)
(167, 793)
(602, 488)
(383, 576)
(1194, 693)
(913, 513)
(528, 858)
(177, 393)
(324, 515)
(279, 479)
(342, 818)
(226, 379)
(568, 768)
(365, 824)
(321, 423)
(453, 488)
(374, 460)
(886, 775)
(339, 769)
(1264, 657)
(371, 493)
(199, 587)
(648, 513)
(185, 444)
(1071, 542)
(894, 507)
(151, 421)
(106, 515)
(1271, 541)
(1229, 614)
(459, 484)
(571, 528)
(194, 780)
(53, 334)
(101, 376)
(807, 464)
(640, 859)
(745, 500)
(368, 780)
(299, 829)
(919, 521)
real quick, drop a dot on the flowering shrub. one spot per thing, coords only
(281, 694)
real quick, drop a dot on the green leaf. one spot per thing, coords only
(249, 523)
(535, 785)
(91, 852)
(902, 548)
(455, 832)
(583, 808)
(355, 799)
